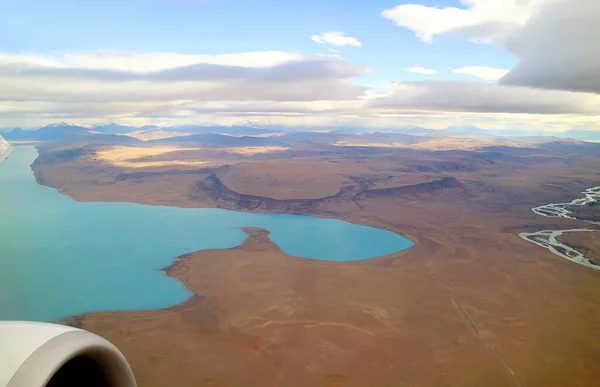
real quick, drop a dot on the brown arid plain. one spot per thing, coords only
(471, 304)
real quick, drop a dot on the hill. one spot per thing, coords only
(60, 131)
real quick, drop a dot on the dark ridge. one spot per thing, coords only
(428, 187)
(170, 172)
(363, 151)
(213, 188)
(365, 182)
(509, 150)
(441, 166)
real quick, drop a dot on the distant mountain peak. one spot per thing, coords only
(112, 124)
(62, 123)
(113, 128)
(56, 131)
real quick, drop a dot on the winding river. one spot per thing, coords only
(547, 238)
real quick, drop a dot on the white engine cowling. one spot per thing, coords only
(49, 355)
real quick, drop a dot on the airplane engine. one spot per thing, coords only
(50, 355)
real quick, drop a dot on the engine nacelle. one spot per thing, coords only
(49, 355)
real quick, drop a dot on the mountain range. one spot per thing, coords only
(65, 131)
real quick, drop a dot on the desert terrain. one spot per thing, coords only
(472, 304)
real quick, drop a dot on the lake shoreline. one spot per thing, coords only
(131, 242)
(350, 217)
(255, 236)
(242, 297)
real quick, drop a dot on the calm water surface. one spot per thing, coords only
(60, 257)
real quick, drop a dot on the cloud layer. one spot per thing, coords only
(274, 86)
(480, 20)
(558, 49)
(421, 70)
(275, 77)
(556, 83)
(336, 39)
(482, 72)
(471, 96)
(554, 40)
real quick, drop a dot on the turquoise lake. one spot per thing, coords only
(60, 257)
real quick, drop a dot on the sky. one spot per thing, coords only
(496, 64)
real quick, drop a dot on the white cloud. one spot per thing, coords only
(420, 70)
(554, 40)
(28, 60)
(336, 39)
(334, 50)
(153, 61)
(272, 76)
(479, 20)
(482, 72)
(479, 97)
(147, 62)
(559, 48)
(273, 87)
(156, 61)
(174, 86)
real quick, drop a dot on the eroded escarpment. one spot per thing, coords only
(212, 187)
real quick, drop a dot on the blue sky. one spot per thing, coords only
(393, 37)
(229, 26)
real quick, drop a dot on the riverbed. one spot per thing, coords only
(547, 238)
